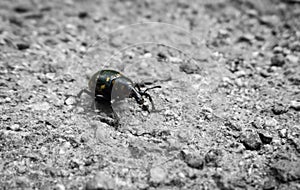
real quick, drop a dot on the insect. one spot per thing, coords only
(112, 86)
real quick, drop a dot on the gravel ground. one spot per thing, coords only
(228, 108)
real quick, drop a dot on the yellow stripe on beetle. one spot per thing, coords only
(102, 87)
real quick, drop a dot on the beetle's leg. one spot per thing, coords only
(137, 86)
(152, 103)
(84, 91)
(151, 88)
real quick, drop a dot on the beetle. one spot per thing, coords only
(112, 86)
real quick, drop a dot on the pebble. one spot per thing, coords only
(265, 137)
(45, 106)
(249, 38)
(270, 20)
(22, 46)
(270, 184)
(147, 55)
(50, 76)
(264, 73)
(59, 187)
(189, 68)
(271, 123)
(207, 109)
(175, 60)
(251, 140)
(239, 82)
(70, 101)
(213, 157)
(292, 58)
(157, 175)
(283, 133)
(192, 160)
(295, 46)
(257, 123)
(101, 181)
(278, 60)
(295, 105)
(278, 49)
(83, 14)
(15, 127)
(279, 109)
(22, 8)
(240, 73)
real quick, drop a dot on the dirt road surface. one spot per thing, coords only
(228, 108)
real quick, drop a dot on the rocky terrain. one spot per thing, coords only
(229, 106)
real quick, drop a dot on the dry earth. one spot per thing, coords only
(229, 103)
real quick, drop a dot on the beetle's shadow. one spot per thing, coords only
(106, 112)
(103, 106)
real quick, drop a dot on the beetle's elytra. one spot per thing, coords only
(111, 85)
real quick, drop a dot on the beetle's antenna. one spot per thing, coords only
(151, 88)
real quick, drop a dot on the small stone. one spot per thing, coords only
(70, 101)
(79, 109)
(249, 38)
(21, 169)
(169, 113)
(240, 73)
(251, 140)
(271, 123)
(295, 105)
(279, 109)
(295, 46)
(264, 73)
(175, 60)
(59, 187)
(207, 109)
(213, 157)
(292, 58)
(136, 151)
(192, 160)
(7, 100)
(15, 127)
(157, 175)
(83, 15)
(269, 20)
(278, 49)
(278, 60)
(270, 184)
(50, 76)
(265, 137)
(22, 8)
(101, 181)
(22, 46)
(147, 55)
(226, 80)
(283, 133)
(257, 123)
(239, 82)
(189, 68)
(45, 106)
(233, 125)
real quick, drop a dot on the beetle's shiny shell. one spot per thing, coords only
(110, 84)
